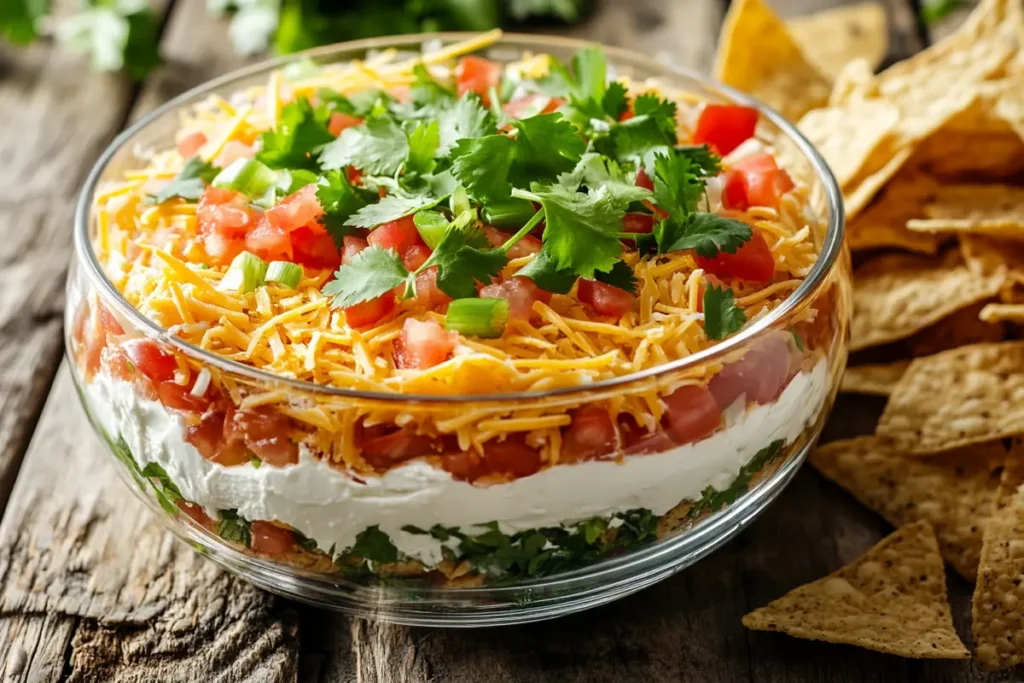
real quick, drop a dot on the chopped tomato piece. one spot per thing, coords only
(370, 312)
(299, 209)
(208, 438)
(428, 294)
(109, 322)
(643, 180)
(350, 247)
(152, 361)
(734, 190)
(177, 397)
(725, 126)
(753, 261)
(423, 344)
(509, 457)
(270, 539)
(521, 293)
(525, 247)
(415, 256)
(589, 436)
(603, 298)
(269, 242)
(189, 142)
(88, 331)
(314, 249)
(115, 363)
(399, 235)
(760, 375)
(385, 450)
(340, 121)
(756, 180)
(639, 223)
(265, 432)
(479, 75)
(691, 414)
(528, 104)
(627, 115)
(639, 441)
(196, 512)
(224, 212)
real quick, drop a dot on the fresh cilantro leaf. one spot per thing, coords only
(189, 184)
(295, 141)
(340, 200)
(462, 261)
(360, 104)
(590, 71)
(706, 233)
(581, 230)
(19, 20)
(424, 140)
(233, 527)
(636, 140)
(546, 274)
(375, 546)
(482, 166)
(595, 170)
(621, 276)
(547, 144)
(427, 91)
(709, 163)
(722, 316)
(678, 184)
(390, 208)
(466, 118)
(615, 102)
(662, 111)
(379, 147)
(372, 272)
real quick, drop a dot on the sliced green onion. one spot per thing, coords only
(246, 272)
(459, 201)
(292, 180)
(431, 225)
(484, 318)
(510, 213)
(284, 273)
(247, 176)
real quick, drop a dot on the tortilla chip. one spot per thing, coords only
(896, 295)
(964, 396)
(862, 189)
(848, 136)
(833, 37)
(960, 328)
(987, 256)
(856, 81)
(892, 599)
(884, 222)
(996, 210)
(954, 492)
(757, 54)
(993, 313)
(997, 621)
(872, 380)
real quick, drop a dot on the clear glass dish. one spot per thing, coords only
(483, 574)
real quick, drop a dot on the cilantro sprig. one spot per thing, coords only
(189, 184)
(722, 316)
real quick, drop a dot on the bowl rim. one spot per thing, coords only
(827, 260)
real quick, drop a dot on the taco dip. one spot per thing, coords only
(459, 329)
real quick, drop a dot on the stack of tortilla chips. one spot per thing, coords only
(929, 154)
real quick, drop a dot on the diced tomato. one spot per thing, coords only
(520, 292)
(177, 397)
(350, 247)
(627, 115)
(189, 142)
(340, 121)
(643, 180)
(509, 457)
(528, 104)
(116, 364)
(589, 436)
(354, 175)
(299, 209)
(428, 294)
(759, 375)
(269, 242)
(196, 512)
(265, 432)
(415, 256)
(152, 361)
(224, 212)
(369, 312)
(88, 333)
(109, 322)
(479, 75)
(603, 298)
(765, 189)
(399, 235)
(755, 180)
(638, 223)
(725, 126)
(423, 344)
(525, 247)
(270, 539)
(691, 414)
(388, 449)
(753, 261)
(639, 441)
(314, 249)
(208, 438)
(734, 190)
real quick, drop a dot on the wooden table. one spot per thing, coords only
(93, 589)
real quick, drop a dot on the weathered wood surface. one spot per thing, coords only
(92, 589)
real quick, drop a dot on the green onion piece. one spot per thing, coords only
(245, 274)
(295, 179)
(247, 176)
(510, 213)
(284, 273)
(484, 318)
(431, 225)
(459, 201)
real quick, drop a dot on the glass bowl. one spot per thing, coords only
(415, 545)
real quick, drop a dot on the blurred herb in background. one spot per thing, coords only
(121, 35)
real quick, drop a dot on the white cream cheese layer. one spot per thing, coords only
(331, 507)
